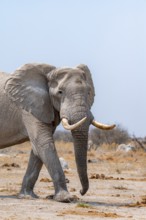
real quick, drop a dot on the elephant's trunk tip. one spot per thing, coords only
(83, 191)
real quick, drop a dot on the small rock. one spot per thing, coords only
(126, 148)
(64, 164)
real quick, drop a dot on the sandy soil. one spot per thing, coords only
(117, 186)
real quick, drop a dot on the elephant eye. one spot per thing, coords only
(60, 92)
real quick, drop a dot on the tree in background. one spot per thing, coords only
(117, 136)
(97, 136)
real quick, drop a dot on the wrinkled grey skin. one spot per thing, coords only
(33, 100)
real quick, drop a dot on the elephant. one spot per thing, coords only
(34, 99)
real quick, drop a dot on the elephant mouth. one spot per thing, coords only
(74, 126)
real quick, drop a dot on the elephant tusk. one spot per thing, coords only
(103, 126)
(67, 126)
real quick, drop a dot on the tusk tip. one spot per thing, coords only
(113, 126)
(84, 119)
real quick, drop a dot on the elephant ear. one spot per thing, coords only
(89, 82)
(28, 88)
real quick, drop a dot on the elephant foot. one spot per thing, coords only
(62, 196)
(27, 195)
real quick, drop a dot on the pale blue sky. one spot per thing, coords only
(107, 35)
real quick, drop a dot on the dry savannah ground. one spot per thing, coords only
(117, 186)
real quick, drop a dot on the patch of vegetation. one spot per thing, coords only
(83, 205)
(98, 137)
(118, 135)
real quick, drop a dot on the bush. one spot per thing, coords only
(117, 135)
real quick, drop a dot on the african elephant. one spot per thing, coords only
(34, 99)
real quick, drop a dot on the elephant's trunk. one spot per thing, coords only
(80, 147)
(77, 110)
(80, 139)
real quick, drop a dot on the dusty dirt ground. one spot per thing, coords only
(117, 186)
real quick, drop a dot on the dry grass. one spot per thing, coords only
(119, 162)
(64, 149)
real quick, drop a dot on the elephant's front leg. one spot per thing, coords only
(41, 137)
(48, 155)
(31, 176)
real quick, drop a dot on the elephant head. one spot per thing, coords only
(72, 94)
(68, 93)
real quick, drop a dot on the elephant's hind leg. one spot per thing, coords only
(31, 176)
